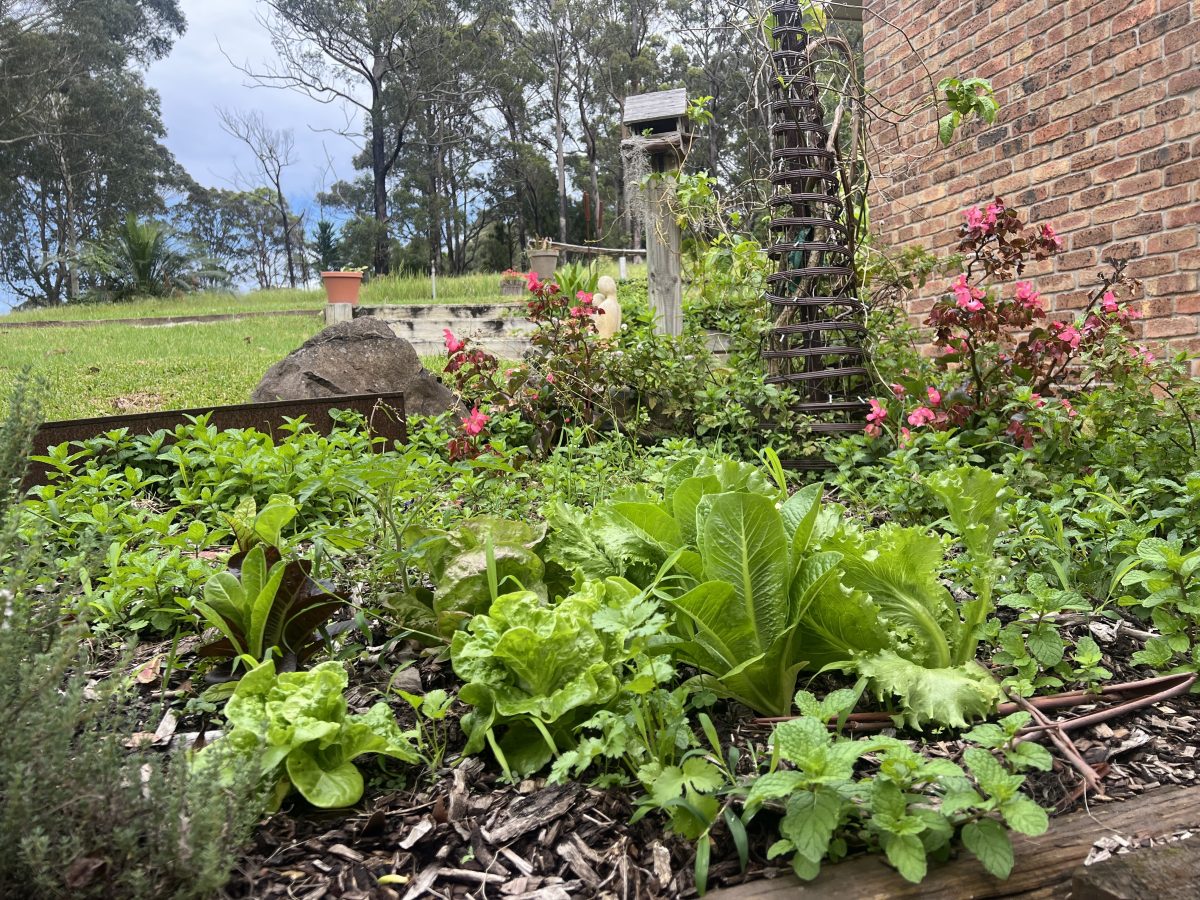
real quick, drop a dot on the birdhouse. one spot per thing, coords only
(657, 124)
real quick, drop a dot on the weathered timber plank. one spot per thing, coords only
(1044, 864)
(1166, 872)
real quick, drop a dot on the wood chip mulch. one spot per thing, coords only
(469, 837)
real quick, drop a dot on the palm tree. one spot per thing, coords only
(144, 259)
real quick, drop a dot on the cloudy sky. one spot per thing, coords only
(197, 78)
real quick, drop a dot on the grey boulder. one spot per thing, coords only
(362, 356)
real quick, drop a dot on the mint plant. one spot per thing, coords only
(1169, 579)
(909, 806)
(1034, 646)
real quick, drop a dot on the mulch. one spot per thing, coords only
(464, 834)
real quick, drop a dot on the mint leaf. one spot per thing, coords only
(1025, 816)
(991, 845)
(907, 854)
(812, 817)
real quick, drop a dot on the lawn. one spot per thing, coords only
(108, 369)
(104, 370)
(396, 290)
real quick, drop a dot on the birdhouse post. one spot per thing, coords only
(656, 128)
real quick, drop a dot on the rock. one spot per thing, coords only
(362, 356)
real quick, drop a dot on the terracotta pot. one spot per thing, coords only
(544, 262)
(342, 287)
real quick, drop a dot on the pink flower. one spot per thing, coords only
(1066, 404)
(877, 414)
(577, 311)
(453, 344)
(897, 389)
(531, 279)
(473, 424)
(1027, 296)
(905, 437)
(965, 296)
(992, 212)
(974, 219)
(584, 297)
(550, 378)
(1049, 235)
(1069, 334)
(922, 415)
(935, 396)
(1109, 302)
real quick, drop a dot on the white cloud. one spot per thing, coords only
(196, 78)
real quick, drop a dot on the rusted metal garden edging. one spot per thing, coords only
(384, 413)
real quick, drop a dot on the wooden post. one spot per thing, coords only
(663, 253)
(655, 126)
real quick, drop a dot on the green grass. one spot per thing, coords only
(109, 369)
(392, 290)
(202, 304)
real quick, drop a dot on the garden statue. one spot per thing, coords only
(608, 324)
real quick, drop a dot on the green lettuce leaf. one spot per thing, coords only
(945, 696)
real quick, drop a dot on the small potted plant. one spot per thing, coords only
(513, 283)
(343, 285)
(543, 258)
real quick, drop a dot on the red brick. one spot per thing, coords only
(1172, 241)
(1090, 237)
(1173, 326)
(1099, 132)
(1143, 224)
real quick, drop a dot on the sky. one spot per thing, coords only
(197, 78)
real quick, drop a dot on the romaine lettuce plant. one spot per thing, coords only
(929, 660)
(538, 669)
(264, 604)
(296, 724)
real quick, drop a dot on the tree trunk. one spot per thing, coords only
(286, 225)
(379, 171)
(560, 154)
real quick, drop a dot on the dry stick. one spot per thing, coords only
(1064, 743)
(1181, 686)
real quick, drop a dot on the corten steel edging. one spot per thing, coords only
(384, 413)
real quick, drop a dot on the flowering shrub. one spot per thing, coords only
(996, 352)
(561, 383)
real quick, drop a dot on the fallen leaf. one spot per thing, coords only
(149, 672)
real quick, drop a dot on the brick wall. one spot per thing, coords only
(1098, 134)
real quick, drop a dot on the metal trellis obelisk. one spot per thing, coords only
(815, 344)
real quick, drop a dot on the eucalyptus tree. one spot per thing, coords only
(82, 146)
(274, 151)
(382, 58)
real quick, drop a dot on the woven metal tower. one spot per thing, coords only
(816, 343)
